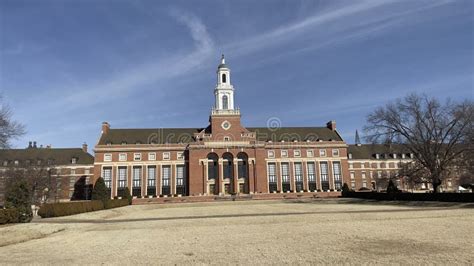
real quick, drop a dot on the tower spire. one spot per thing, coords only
(357, 138)
(224, 91)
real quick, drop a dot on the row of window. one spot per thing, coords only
(378, 174)
(151, 176)
(86, 171)
(298, 175)
(138, 156)
(377, 165)
(297, 153)
(38, 162)
(389, 156)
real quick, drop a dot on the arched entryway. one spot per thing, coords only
(243, 172)
(228, 172)
(213, 173)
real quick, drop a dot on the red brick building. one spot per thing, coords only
(64, 165)
(224, 157)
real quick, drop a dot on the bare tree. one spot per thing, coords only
(437, 134)
(42, 181)
(9, 129)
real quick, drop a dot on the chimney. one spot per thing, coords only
(331, 125)
(84, 147)
(105, 127)
(30, 145)
(34, 144)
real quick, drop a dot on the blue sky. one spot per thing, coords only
(66, 66)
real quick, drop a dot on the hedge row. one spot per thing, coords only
(445, 197)
(9, 216)
(110, 204)
(75, 207)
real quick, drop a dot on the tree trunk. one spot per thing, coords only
(436, 183)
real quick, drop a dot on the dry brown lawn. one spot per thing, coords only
(251, 232)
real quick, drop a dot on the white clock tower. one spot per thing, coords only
(224, 91)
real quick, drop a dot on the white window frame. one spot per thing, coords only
(152, 156)
(297, 153)
(352, 174)
(322, 153)
(166, 155)
(335, 152)
(310, 153)
(271, 154)
(73, 160)
(137, 156)
(122, 157)
(350, 155)
(107, 157)
(180, 155)
(284, 153)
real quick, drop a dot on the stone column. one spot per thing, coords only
(292, 176)
(305, 175)
(144, 180)
(130, 178)
(278, 176)
(205, 167)
(236, 177)
(158, 180)
(114, 181)
(173, 179)
(220, 184)
(331, 176)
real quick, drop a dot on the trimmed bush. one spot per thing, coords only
(445, 197)
(110, 204)
(69, 208)
(100, 191)
(18, 197)
(391, 188)
(75, 207)
(8, 216)
(126, 195)
(345, 188)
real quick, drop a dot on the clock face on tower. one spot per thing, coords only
(225, 125)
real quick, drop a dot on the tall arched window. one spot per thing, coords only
(225, 102)
(224, 78)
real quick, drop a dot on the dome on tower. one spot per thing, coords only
(222, 64)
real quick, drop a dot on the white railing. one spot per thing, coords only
(215, 111)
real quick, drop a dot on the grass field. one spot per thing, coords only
(252, 232)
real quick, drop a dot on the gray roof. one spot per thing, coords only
(295, 133)
(368, 151)
(185, 135)
(222, 66)
(57, 156)
(149, 135)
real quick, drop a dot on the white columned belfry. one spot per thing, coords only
(224, 91)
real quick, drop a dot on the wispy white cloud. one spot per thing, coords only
(351, 22)
(131, 79)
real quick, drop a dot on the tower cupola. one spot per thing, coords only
(224, 91)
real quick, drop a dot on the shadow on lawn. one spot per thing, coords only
(111, 221)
